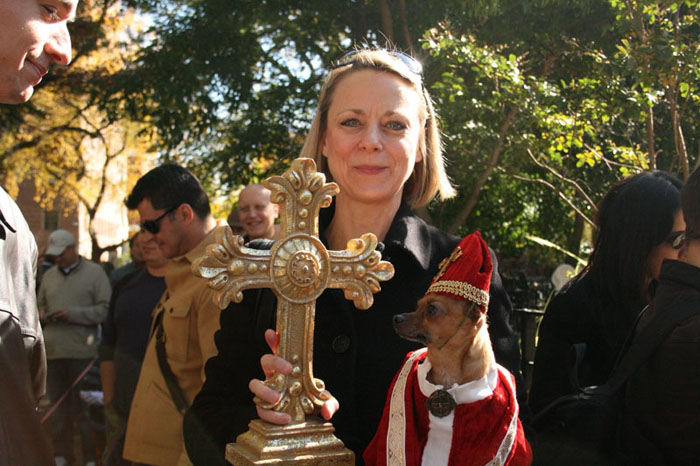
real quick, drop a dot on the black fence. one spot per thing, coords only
(529, 296)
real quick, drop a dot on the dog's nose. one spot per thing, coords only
(399, 318)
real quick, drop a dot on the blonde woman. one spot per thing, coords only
(375, 134)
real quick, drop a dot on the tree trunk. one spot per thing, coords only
(574, 244)
(678, 139)
(96, 249)
(404, 27)
(651, 152)
(490, 167)
(359, 24)
(387, 23)
(672, 93)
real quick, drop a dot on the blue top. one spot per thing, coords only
(126, 330)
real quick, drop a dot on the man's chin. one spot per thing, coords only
(16, 98)
(170, 253)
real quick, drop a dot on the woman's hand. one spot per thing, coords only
(272, 363)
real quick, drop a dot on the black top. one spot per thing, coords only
(573, 316)
(126, 330)
(356, 352)
(662, 396)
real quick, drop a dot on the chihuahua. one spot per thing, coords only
(456, 335)
(451, 403)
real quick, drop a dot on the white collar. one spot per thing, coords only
(466, 393)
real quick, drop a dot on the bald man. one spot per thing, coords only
(258, 213)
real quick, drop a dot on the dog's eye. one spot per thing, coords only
(432, 310)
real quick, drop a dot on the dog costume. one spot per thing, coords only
(471, 424)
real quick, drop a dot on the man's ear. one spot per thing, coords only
(186, 213)
(276, 209)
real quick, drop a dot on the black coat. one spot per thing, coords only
(572, 317)
(356, 353)
(662, 396)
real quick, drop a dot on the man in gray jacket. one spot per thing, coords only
(33, 36)
(73, 301)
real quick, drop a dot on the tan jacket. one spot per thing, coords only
(154, 428)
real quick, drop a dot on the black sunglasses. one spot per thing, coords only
(676, 239)
(413, 65)
(153, 226)
(691, 236)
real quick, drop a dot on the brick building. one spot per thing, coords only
(111, 223)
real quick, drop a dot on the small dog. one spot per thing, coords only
(451, 403)
(456, 335)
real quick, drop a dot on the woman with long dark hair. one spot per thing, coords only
(639, 225)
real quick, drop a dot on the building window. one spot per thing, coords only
(50, 220)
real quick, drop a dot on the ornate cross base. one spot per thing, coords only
(306, 443)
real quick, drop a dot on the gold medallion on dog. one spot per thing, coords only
(441, 403)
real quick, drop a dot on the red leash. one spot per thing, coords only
(65, 394)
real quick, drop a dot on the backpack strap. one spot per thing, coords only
(652, 335)
(176, 393)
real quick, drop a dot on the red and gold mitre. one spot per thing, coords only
(466, 273)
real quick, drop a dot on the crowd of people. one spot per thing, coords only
(178, 375)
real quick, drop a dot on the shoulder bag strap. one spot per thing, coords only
(644, 344)
(170, 379)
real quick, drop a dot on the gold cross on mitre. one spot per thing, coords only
(445, 263)
(298, 268)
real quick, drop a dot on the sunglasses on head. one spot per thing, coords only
(153, 226)
(676, 239)
(411, 63)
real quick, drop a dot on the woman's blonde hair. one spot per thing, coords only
(428, 177)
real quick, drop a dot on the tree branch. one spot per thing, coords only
(564, 179)
(558, 193)
(490, 167)
(404, 27)
(387, 23)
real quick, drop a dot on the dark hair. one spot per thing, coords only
(634, 217)
(168, 186)
(132, 239)
(690, 201)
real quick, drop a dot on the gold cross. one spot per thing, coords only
(445, 263)
(298, 268)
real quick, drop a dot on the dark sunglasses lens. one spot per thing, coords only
(150, 226)
(678, 241)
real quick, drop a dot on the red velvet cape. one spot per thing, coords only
(479, 429)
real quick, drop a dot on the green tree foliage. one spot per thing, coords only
(565, 114)
(67, 145)
(543, 103)
(232, 84)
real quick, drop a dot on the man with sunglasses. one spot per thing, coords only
(663, 396)
(33, 36)
(174, 212)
